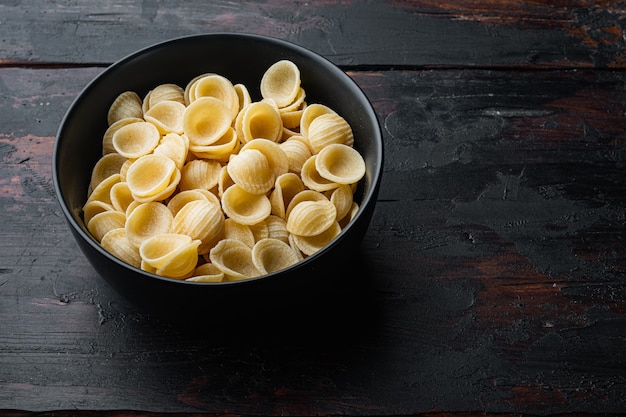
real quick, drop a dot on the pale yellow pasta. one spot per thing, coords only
(101, 223)
(234, 259)
(308, 245)
(165, 92)
(181, 198)
(204, 184)
(297, 150)
(107, 165)
(244, 207)
(277, 228)
(150, 175)
(201, 220)
(328, 129)
(136, 139)
(147, 220)
(259, 120)
(342, 198)
(175, 147)
(281, 82)
(158, 249)
(102, 192)
(206, 120)
(272, 255)
(340, 163)
(310, 113)
(243, 94)
(238, 231)
(251, 171)
(121, 197)
(219, 87)
(206, 272)
(167, 116)
(182, 263)
(221, 150)
(286, 187)
(127, 104)
(200, 174)
(276, 156)
(107, 138)
(310, 218)
(116, 243)
(260, 230)
(312, 178)
(304, 195)
(93, 207)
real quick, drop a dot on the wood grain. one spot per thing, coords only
(492, 276)
(478, 33)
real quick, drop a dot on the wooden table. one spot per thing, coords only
(492, 277)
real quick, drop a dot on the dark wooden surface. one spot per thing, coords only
(492, 278)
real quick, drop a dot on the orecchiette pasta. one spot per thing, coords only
(204, 184)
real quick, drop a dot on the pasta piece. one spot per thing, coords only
(167, 116)
(181, 264)
(206, 120)
(272, 255)
(342, 198)
(136, 139)
(191, 85)
(93, 207)
(243, 94)
(103, 222)
(238, 231)
(304, 195)
(276, 156)
(157, 249)
(107, 138)
(310, 113)
(224, 181)
(327, 129)
(201, 220)
(207, 272)
(277, 228)
(121, 197)
(312, 179)
(310, 218)
(297, 150)
(219, 87)
(165, 92)
(181, 198)
(259, 120)
(260, 230)
(340, 163)
(127, 104)
(200, 174)
(309, 245)
(102, 192)
(251, 171)
(106, 166)
(221, 150)
(150, 175)
(354, 209)
(281, 82)
(298, 104)
(244, 207)
(166, 193)
(116, 243)
(147, 220)
(175, 147)
(286, 187)
(234, 259)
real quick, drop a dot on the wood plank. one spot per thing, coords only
(491, 278)
(480, 33)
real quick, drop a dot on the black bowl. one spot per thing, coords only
(243, 59)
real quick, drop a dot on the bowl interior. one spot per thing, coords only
(241, 58)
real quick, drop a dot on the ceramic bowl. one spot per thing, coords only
(242, 58)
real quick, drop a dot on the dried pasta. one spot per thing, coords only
(202, 183)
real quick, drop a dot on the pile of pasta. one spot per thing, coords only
(202, 183)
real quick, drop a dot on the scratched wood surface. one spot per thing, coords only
(492, 278)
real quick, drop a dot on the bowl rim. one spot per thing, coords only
(371, 193)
